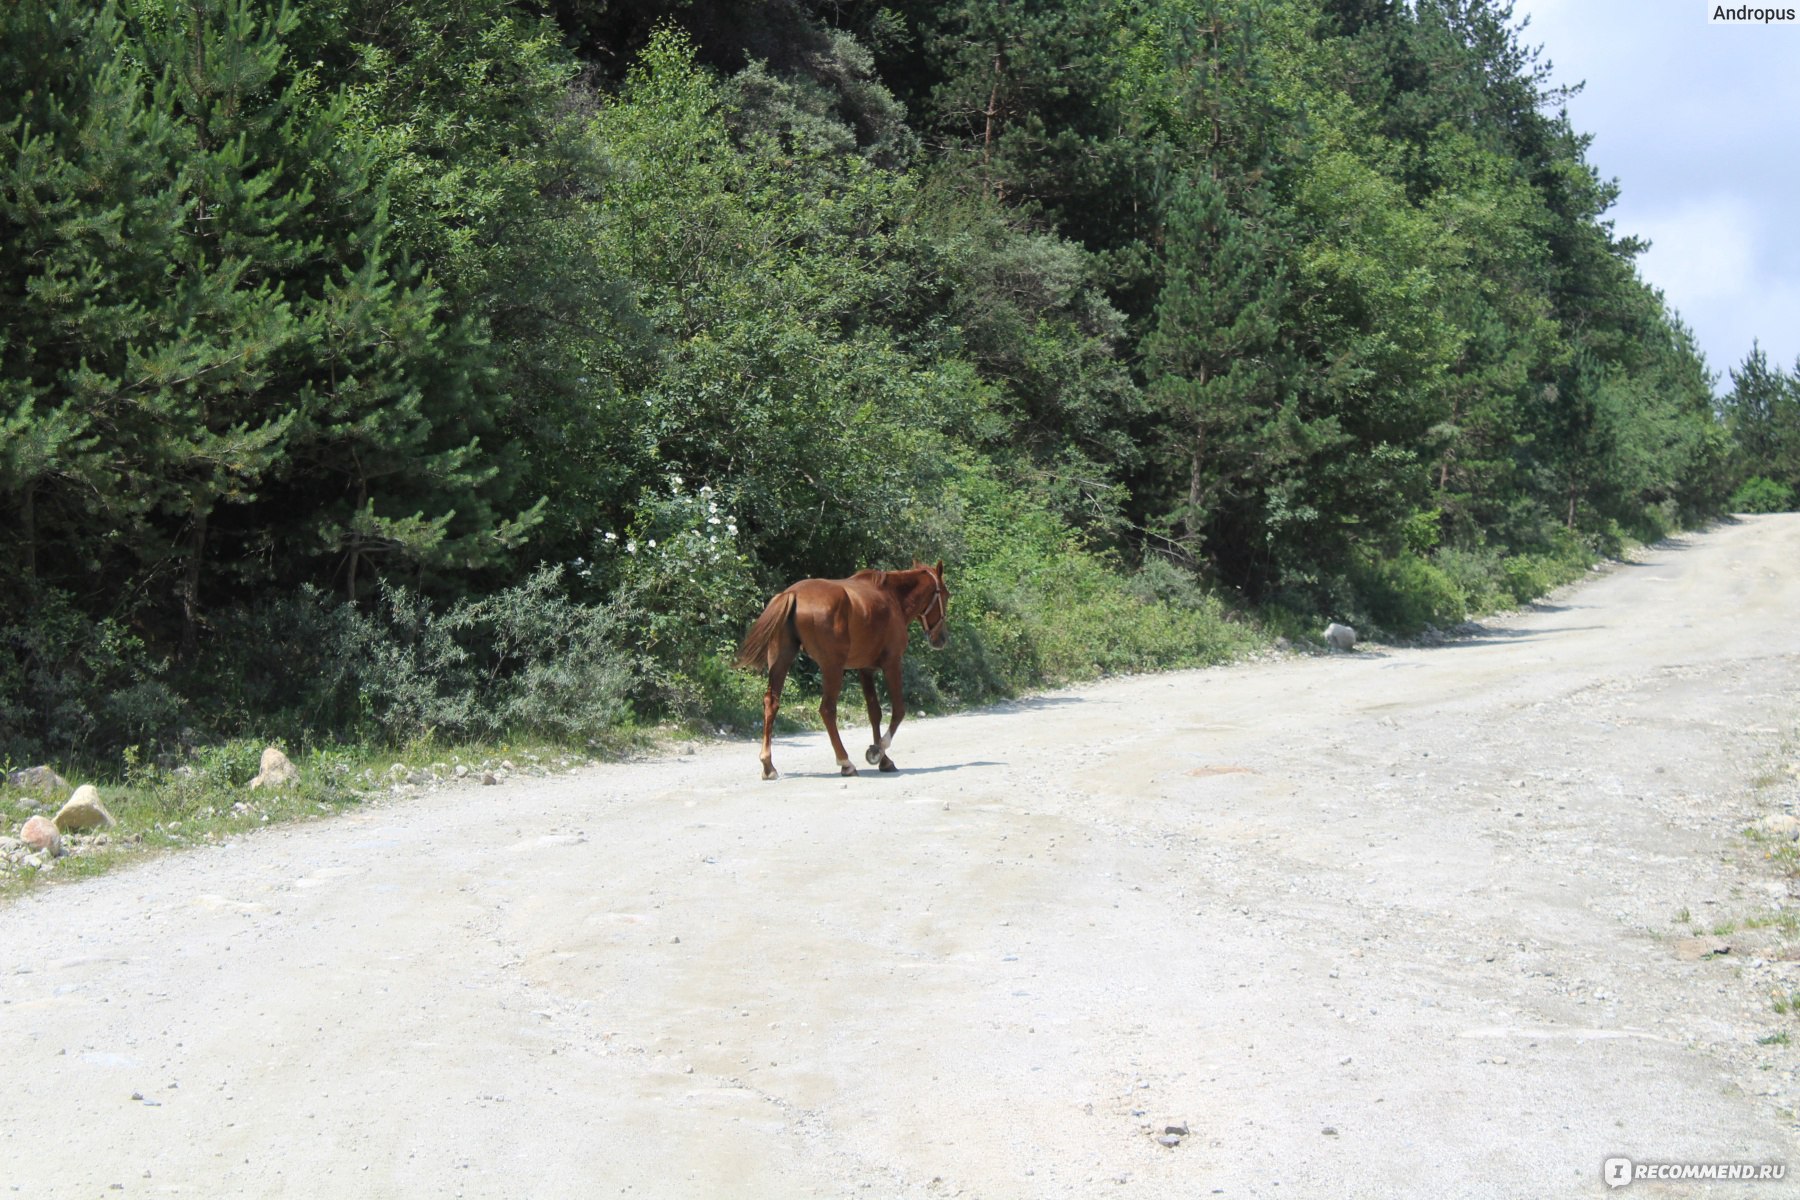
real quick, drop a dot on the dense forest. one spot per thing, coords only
(387, 369)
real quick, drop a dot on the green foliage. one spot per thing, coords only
(1760, 495)
(1405, 593)
(686, 587)
(522, 661)
(70, 683)
(760, 272)
(1762, 416)
(1035, 606)
(1219, 377)
(323, 326)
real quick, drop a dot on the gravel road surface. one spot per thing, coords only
(1391, 923)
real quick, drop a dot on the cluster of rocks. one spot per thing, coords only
(1169, 1134)
(401, 778)
(82, 824)
(78, 825)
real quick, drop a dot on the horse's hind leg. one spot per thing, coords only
(833, 683)
(876, 754)
(897, 704)
(781, 657)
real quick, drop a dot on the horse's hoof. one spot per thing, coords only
(872, 755)
(887, 764)
(769, 771)
(846, 769)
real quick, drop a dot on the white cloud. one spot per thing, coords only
(1701, 252)
(1709, 256)
(1696, 123)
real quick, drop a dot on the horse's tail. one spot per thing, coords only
(773, 622)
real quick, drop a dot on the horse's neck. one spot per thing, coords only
(909, 588)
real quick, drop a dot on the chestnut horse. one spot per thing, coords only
(857, 623)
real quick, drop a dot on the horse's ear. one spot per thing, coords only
(940, 568)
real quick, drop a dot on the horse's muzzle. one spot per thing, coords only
(937, 638)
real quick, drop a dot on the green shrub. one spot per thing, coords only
(1405, 593)
(687, 593)
(1034, 606)
(70, 683)
(1477, 573)
(545, 664)
(1762, 495)
(525, 660)
(230, 764)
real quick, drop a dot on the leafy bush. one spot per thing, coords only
(1476, 573)
(527, 659)
(69, 682)
(687, 593)
(1759, 494)
(1528, 576)
(1490, 580)
(1405, 593)
(1033, 606)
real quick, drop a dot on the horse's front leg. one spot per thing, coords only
(833, 683)
(897, 699)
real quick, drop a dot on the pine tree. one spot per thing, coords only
(1214, 364)
(1762, 411)
(225, 379)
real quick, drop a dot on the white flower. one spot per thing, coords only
(712, 520)
(731, 529)
(611, 536)
(653, 543)
(676, 480)
(631, 546)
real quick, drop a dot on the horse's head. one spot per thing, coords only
(935, 616)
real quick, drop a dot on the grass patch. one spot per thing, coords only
(206, 799)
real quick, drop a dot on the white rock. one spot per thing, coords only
(277, 770)
(1780, 826)
(1339, 637)
(84, 812)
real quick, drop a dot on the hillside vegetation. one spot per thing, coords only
(400, 370)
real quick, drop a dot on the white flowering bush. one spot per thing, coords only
(689, 589)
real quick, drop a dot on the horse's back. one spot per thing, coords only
(849, 619)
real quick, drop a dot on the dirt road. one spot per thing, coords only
(1387, 923)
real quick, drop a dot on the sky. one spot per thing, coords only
(1700, 125)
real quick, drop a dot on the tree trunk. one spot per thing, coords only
(990, 115)
(190, 589)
